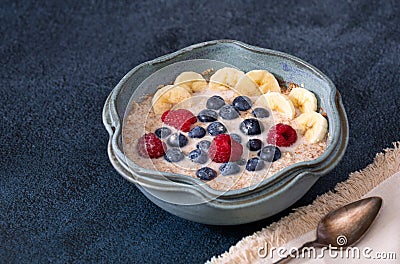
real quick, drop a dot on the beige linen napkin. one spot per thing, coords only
(381, 178)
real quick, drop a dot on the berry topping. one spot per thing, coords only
(250, 127)
(197, 132)
(174, 155)
(236, 137)
(203, 145)
(270, 153)
(281, 135)
(242, 103)
(206, 173)
(254, 164)
(207, 115)
(223, 149)
(163, 132)
(215, 102)
(216, 128)
(228, 112)
(254, 144)
(198, 156)
(177, 140)
(150, 146)
(181, 119)
(260, 112)
(229, 168)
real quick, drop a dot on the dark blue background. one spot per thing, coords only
(60, 198)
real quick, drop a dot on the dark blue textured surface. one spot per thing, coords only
(60, 198)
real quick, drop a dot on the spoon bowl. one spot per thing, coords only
(344, 226)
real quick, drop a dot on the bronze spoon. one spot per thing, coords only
(343, 227)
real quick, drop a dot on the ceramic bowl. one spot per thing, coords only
(190, 198)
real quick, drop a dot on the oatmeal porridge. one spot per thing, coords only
(230, 129)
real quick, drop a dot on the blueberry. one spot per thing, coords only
(254, 144)
(250, 127)
(197, 132)
(173, 155)
(229, 168)
(241, 162)
(254, 164)
(242, 103)
(207, 115)
(163, 132)
(198, 156)
(206, 173)
(215, 102)
(260, 112)
(228, 112)
(270, 153)
(216, 128)
(236, 137)
(203, 145)
(177, 140)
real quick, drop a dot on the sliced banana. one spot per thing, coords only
(166, 97)
(265, 80)
(303, 99)
(226, 77)
(277, 102)
(313, 126)
(231, 78)
(245, 86)
(193, 81)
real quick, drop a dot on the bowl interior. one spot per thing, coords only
(144, 79)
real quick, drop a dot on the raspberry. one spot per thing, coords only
(281, 135)
(150, 146)
(223, 149)
(181, 119)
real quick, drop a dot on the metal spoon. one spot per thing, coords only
(343, 227)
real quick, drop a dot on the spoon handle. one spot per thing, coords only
(289, 257)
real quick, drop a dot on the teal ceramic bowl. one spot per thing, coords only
(190, 198)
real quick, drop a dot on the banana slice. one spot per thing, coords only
(313, 126)
(231, 78)
(303, 99)
(226, 77)
(265, 80)
(193, 81)
(245, 86)
(277, 102)
(166, 97)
